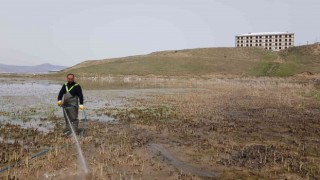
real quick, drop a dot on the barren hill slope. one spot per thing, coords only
(251, 61)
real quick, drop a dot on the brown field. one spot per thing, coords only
(208, 128)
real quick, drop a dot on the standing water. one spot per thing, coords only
(82, 160)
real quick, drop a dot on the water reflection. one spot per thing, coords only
(131, 83)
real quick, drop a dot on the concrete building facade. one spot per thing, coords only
(274, 41)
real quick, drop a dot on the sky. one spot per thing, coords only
(67, 32)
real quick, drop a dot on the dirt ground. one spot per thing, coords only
(213, 128)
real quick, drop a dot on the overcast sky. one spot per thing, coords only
(67, 32)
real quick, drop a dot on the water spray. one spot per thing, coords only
(82, 159)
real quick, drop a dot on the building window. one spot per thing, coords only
(289, 43)
(260, 44)
(276, 44)
(276, 36)
(279, 47)
(270, 48)
(279, 44)
(266, 48)
(247, 41)
(285, 43)
(241, 45)
(276, 40)
(266, 44)
(270, 44)
(250, 44)
(247, 45)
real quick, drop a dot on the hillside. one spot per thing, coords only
(241, 61)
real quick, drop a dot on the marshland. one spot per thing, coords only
(213, 127)
(169, 90)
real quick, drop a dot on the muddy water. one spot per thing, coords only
(32, 103)
(27, 102)
(21, 94)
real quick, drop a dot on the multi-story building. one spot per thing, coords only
(274, 41)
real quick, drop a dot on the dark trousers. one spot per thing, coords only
(72, 113)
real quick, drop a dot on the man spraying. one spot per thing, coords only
(69, 96)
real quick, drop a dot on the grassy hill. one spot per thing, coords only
(243, 61)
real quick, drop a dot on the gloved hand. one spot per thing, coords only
(81, 107)
(59, 103)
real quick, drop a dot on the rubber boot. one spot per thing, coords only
(67, 130)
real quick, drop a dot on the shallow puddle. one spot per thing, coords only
(36, 124)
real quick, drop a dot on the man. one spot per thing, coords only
(71, 93)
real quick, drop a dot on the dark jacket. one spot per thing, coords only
(75, 91)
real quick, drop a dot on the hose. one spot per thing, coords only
(47, 150)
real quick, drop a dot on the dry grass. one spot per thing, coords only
(237, 127)
(265, 127)
(178, 63)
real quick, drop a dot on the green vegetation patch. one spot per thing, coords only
(313, 94)
(268, 68)
(285, 70)
(264, 68)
